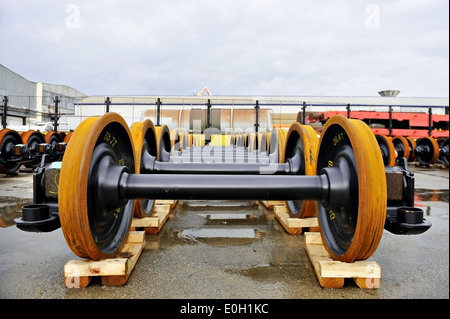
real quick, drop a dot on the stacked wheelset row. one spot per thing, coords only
(28, 148)
(182, 141)
(111, 173)
(426, 150)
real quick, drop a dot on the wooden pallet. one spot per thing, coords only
(331, 274)
(170, 202)
(294, 226)
(270, 204)
(152, 225)
(434, 165)
(113, 271)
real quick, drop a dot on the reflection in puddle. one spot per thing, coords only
(270, 272)
(227, 216)
(433, 202)
(225, 222)
(11, 208)
(428, 195)
(220, 236)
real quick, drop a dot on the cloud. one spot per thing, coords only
(265, 47)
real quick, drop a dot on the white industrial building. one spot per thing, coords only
(30, 102)
(283, 109)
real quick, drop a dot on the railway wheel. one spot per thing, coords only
(184, 141)
(444, 151)
(62, 135)
(262, 143)
(32, 139)
(67, 137)
(281, 140)
(387, 149)
(175, 140)
(8, 140)
(54, 138)
(144, 140)
(401, 146)
(412, 146)
(252, 142)
(277, 145)
(163, 143)
(427, 150)
(353, 231)
(95, 227)
(302, 139)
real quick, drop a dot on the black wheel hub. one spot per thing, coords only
(109, 216)
(338, 216)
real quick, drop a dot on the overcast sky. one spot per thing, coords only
(234, 47)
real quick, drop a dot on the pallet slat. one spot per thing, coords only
(293, 226)
(153, 224)
(113, 271)
(270, 204)
(171, 202)
(331, 274)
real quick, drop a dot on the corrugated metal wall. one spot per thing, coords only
(34, 101)
(20, 91)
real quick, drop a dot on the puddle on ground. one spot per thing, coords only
(434, 203)
(11, 208)
(427, 195)
(225, 216)
(222, 222)
(221, 236)
(270, 272)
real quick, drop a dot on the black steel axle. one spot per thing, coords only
(220, 187)
(14, 153)
(113, 184)
(422, 150)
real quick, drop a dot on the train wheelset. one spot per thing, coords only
(110, 173)
(425, 150)
(98, 185)
(28, 148)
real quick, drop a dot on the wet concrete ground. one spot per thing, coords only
(227, 250)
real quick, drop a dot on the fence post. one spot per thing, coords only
(55, 120)
(5, 111)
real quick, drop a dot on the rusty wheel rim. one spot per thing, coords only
(67, 137)
(32, 139)
(144, 140)
(162, 143)
(432, 155)
(303, 139)
(90, 231)
(401, 146)
(281, 144)
(412, 146)
(387, 149)
(355, 236)
(53, 138)
(8, 139)
(443, 154)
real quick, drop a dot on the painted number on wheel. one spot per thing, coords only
(338, 138)
(110, 139)
(117, 212)
(332, 215)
